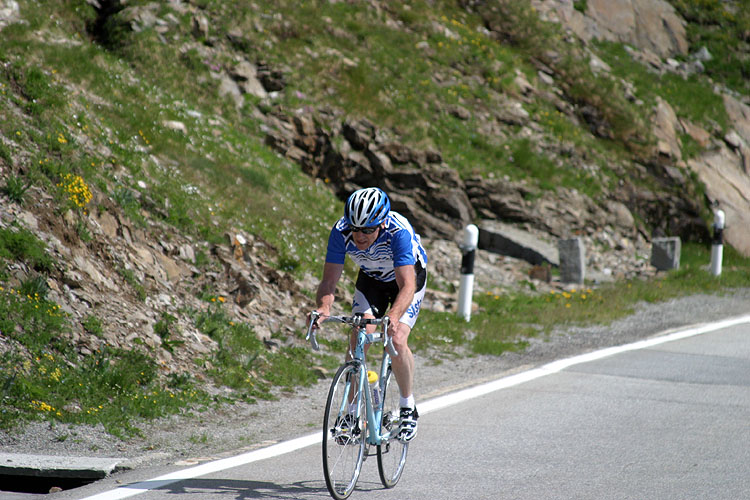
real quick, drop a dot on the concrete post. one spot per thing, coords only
(572, 260)
(665, 253)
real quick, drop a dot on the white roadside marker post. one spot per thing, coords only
(717, 243)
(469, 249)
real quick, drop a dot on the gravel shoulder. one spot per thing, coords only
(243, 427)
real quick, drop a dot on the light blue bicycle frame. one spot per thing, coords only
(374, 415)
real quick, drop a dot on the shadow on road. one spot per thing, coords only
(240, 490)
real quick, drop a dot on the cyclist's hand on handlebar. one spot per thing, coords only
(312, 322)
(320, 313)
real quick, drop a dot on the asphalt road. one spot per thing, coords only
(670, 421)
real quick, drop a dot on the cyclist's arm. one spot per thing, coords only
(327, 287)
(407, 286)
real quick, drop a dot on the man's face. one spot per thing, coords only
(362, 240)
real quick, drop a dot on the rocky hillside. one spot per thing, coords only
(175, 155)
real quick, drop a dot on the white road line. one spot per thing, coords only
(560, 365)
(424, 407)
(208, 468)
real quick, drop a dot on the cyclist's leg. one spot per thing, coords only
(403, 367)
(403, 364)
(372, 297)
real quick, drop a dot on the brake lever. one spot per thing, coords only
(388, 339)
(311, 336)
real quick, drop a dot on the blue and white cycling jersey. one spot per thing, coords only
(397, 245)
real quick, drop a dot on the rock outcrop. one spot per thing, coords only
(101, 278)
(650, 25)
(658, 34)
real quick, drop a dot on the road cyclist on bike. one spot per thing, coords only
(392, 271)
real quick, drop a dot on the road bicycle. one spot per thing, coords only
(362, 410)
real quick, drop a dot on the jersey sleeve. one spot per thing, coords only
(402, 249)
(336, 253)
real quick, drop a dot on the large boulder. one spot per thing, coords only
(725, 172)
(518, 243)
(728, 186)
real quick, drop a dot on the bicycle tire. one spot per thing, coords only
(344, 445)
(392, 452)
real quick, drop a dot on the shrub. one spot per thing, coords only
(15, 188)
(20, 244)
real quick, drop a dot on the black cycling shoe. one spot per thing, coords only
(409, 417)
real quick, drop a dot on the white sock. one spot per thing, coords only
(407, 402)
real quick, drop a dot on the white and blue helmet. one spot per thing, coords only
(367, 207)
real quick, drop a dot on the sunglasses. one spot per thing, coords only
(363, 230)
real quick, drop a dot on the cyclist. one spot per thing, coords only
(392, 271)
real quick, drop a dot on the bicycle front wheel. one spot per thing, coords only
(344, 432)
(391, 452)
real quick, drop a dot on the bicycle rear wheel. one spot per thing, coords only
(392, 452)
(344, 432)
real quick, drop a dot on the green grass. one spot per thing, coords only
(245, 364)
(506, 322)
(93, 325)
(15, 188)
(19, 244)
(691, 98)
(43, 377)
(722, 28)
(130, 125)
(39, 95)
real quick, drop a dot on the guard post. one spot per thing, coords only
(468, 253)
(717, 243)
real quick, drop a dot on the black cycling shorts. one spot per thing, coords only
(374, 297)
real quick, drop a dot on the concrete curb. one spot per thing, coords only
(14, 464)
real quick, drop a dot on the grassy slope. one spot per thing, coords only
(83, 110)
